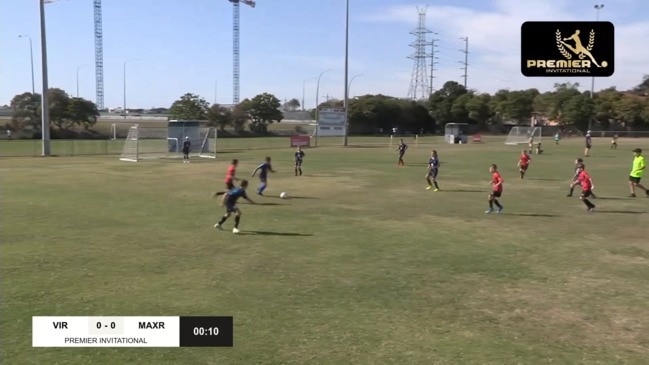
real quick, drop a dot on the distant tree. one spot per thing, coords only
(219, 116)
(292, 104)
(240, 116)
(630, 112)
(59, 101)
(82, 112)
(479, 110)
(643, 88)
(441, 102)
(189, 107)
(578, 111)
(26, 111)
(65, 112)
(263, 110)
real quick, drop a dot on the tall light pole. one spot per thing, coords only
(597, 7)
(31, 56)
(45, 104)
(79, 68)
(124, 105)
(317, 102)
(349, 87)
(304, 88)
(346, 70)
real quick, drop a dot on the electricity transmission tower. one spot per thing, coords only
(466, 58)
(418, 81)
(235, 46)
(99, 57)
(432, 63)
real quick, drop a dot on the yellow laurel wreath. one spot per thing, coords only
(591, 40)
(563, 51)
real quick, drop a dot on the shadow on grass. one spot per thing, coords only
(610, 198)
(620, 211)
(543, 179)
(533, 215)
(290, 197)
(268, 203)
(267, 233)
(464, 191)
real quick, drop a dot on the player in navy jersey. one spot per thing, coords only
(230, 201)
(433, 169)
(402, 151)
(263, 169)
(187, 146)
(299, 157)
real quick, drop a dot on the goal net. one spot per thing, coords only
(520, 135)
(208, 143)
(151, 143)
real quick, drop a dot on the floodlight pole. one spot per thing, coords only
(31, 56)
(45, 105)
(317, 101)
(346, 72)
(592, 81)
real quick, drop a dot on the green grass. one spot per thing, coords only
(361, 265)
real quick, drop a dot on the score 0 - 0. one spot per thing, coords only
(106, 326)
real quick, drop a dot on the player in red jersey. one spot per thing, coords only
(586, 187)
(230, 177)
(524, 163)
(496, 189)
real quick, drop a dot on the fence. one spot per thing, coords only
(60, 147)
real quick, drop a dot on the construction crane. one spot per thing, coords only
(235, 46)
(99, 57)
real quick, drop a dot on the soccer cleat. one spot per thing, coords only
(218, 226)
(488, 211)
(436, 190)
(429, 187)
(591, 209)
(631, 195)
(235, 230)
(569, 195)
(500, 210)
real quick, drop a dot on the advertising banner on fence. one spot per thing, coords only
(300, 140)
(331, 122)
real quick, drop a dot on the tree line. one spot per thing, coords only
(565, 105)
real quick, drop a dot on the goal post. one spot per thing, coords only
(151, 143)
(208, 143)
(130, 150)
(522, 135)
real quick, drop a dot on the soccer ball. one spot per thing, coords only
(282, 195)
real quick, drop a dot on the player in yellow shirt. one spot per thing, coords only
(639, 165)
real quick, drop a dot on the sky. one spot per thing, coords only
(186, 46)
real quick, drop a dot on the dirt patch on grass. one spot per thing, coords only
(570, 314)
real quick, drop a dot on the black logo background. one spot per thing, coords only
(538, 42)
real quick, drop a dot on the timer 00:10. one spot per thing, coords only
(210, 331)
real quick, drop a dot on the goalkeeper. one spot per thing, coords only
(187, 146)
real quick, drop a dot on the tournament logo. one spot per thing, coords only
(587, 51)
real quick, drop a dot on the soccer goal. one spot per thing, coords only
(151, 143)
(208, 143)
(521, 135)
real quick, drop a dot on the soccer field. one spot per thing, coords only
(361, 265)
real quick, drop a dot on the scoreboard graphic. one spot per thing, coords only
(132, 331)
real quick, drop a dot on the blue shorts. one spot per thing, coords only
(433, 173)
(231, 208)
